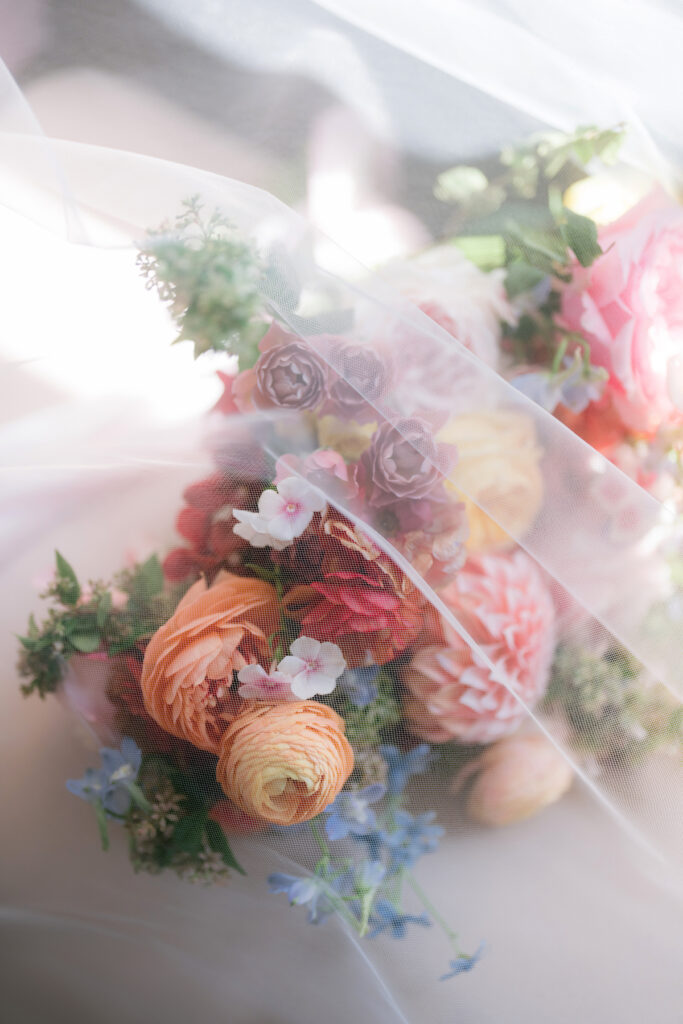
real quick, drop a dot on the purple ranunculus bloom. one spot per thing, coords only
(404, 463)
(291, 376)
(362, 377)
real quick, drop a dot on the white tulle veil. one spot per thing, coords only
(122, 448)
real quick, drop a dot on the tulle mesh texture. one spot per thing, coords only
(373, 574)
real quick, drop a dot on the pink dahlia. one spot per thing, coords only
(503, 603)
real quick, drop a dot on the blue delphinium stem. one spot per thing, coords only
(319, 837)
(138, 797)
(451, 935)
(101, 816)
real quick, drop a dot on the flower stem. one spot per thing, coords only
(320, 840)
(102, 823)
(431, 909)
(138, 797)
(366, 908)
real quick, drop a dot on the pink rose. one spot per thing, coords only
(629, 306)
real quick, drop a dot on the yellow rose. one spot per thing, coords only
(284, 762)
(348, 438)
(607, 196)
(497, 469)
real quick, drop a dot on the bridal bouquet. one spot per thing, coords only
(367, 585)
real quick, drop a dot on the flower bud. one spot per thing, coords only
(284, 762)
(515, 779)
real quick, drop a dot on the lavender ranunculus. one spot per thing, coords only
(404, 462)
(363, 377)
(291, 376)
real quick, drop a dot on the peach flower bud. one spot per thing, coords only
(517, 778)
(285, 762)
(189, 663)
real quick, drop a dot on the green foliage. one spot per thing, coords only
(210, 281)
(470, 189)
(521, 277)
(76, 624)
(517, 219)
(66, 586)
(365, 726)
(581, 235)
(174, 831)
(546, 156)
(609, 706)
(486, 251)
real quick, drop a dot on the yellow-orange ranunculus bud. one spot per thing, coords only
(497, 469)
(285, 762)
(189, 662)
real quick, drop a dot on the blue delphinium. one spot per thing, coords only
(358, 684)
(387, 917)
(313, 892)
(575, 383)
(369, 875)
(463, 963)
(401, 766)
(110, 786)
(413, 837)
(350, 815)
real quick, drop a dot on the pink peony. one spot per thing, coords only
(502, 601)
(629, 306)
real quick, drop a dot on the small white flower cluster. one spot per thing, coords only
(283, 514)
(311, 668)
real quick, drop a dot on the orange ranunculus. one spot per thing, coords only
(189, 662)
(285, 762)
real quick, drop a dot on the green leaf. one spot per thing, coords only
(584, 149)
(608, 145)
(68, 588)
(486, 251)
(460, 184)
(521, 277)
(148, 580)
(581, 235)
(86, 643)
(103, 609)
(540, 248)
(189, 832)
(218, 842)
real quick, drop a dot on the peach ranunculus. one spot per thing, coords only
(284, 762)
(189, 662)
(498, 468)
(629, 307)
(503, 603)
